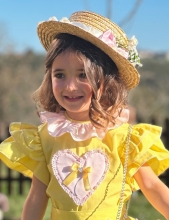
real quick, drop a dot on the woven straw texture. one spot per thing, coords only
(49, 29)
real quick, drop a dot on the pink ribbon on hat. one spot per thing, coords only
(108, 38)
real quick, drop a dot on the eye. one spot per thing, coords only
(82, 76)
(59, 75)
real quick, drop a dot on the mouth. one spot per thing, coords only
(73, 98)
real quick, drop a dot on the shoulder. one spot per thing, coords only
(46, 138)
(118, 134)
(28, 135)
(140, 134)
(136, 130)
(148, 127)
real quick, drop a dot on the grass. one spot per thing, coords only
(16, 205)
(16, 202)
(139, 208)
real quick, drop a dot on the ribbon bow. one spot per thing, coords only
(76, 169)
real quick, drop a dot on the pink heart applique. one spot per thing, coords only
(96, 160)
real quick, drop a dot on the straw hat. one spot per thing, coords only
(101, 32)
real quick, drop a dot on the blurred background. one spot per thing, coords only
(22, 70)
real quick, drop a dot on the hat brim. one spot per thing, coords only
(49, 29)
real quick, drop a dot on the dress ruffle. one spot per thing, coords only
(23, 152)
(145, 147)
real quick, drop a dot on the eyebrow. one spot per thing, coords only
(60, 70)
(57, 70)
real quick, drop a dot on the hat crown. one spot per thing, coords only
(102, 24)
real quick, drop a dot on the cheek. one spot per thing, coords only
(56, 86)
(88, 89)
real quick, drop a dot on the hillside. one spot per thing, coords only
(151, 96)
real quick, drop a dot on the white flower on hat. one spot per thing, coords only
(53, 18)
(133, 42)
(133, 53)
(89, 29)
(65, 19)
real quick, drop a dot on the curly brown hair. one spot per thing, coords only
(102, 74)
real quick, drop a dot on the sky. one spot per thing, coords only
(19, 19)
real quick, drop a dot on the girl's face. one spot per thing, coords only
(70, 85)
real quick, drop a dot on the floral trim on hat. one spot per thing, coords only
(133, 54)
(130, 52)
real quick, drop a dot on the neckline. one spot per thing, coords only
(75, 121)
(59, 124)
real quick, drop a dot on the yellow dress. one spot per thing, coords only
(32, 150)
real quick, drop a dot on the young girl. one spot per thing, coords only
(84, 156)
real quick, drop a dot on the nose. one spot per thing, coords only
(71, 84)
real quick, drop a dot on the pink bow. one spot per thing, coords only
(108, 38)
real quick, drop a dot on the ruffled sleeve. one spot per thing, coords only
(145, 147)
(23, 152)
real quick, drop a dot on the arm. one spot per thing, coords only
(36, 202)
(154, 189)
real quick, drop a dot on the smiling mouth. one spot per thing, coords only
(73, 98)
